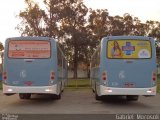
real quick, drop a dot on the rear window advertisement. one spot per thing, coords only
(29, 49)
(129, 49)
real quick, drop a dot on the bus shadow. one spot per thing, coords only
(43, 97)
(122, 101)
(36, 104)
(35, 100)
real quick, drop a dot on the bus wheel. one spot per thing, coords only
(58, 97)
(62, 88)
(132, 97)
(97, 97)
(27, 96)
(24, 95)
(21, 96)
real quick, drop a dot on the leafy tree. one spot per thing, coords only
(116, 25)
(99, 24)
(128, 24)
(139, 28)
(72, 26)
(53, 15)
(1, 46)
(153, 29)
(32, 23)
(77, 28)
(1, 49)
(62, 19)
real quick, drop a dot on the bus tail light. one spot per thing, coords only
(154, 76)
(4, 75)
(52, 76)
(104, 75)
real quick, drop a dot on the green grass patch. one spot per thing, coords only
(0, 85)
(78, 83)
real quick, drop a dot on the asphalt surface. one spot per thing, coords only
(80, 101)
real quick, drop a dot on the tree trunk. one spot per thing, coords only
(88, 71)
(75, 63)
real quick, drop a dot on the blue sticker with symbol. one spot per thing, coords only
(128, 48)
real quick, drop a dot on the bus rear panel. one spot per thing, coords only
(30, 66)
(127, 66)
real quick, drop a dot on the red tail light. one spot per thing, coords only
(4, 75)
(104, 76)
(153, 76)
(52, 75)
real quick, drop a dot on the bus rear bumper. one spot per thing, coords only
(30, 89)
(127, 91)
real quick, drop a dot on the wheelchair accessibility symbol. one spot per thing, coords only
(23, 73)
(122, 74)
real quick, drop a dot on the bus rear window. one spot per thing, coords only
(129, 49)
(29, 49)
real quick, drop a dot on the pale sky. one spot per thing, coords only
(143, 9)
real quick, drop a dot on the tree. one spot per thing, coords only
(153, 29)
(1, 46)
(62, 19)
(99, 24)
(117, 26)
(32, 23)
(79, 29)
(72, 25)
(1, 49)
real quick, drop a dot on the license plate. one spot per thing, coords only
(129, 85)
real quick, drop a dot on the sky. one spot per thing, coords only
(143, 9)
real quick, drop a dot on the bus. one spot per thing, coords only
(124, 66)
(33, 65)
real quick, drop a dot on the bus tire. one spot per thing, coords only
(93, 88)
(55, 97)
(28, 96)
(21, 96)
(97, 97)
(62, 88)
(24, 95)
(132, 97)
(58, 97)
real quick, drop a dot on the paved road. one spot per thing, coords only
(77, 102)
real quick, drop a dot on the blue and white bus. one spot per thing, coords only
(124, 65)
(33, 65)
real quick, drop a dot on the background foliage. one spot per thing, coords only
(79, 29)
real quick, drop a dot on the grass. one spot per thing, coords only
(78, 84)
(158, 83)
